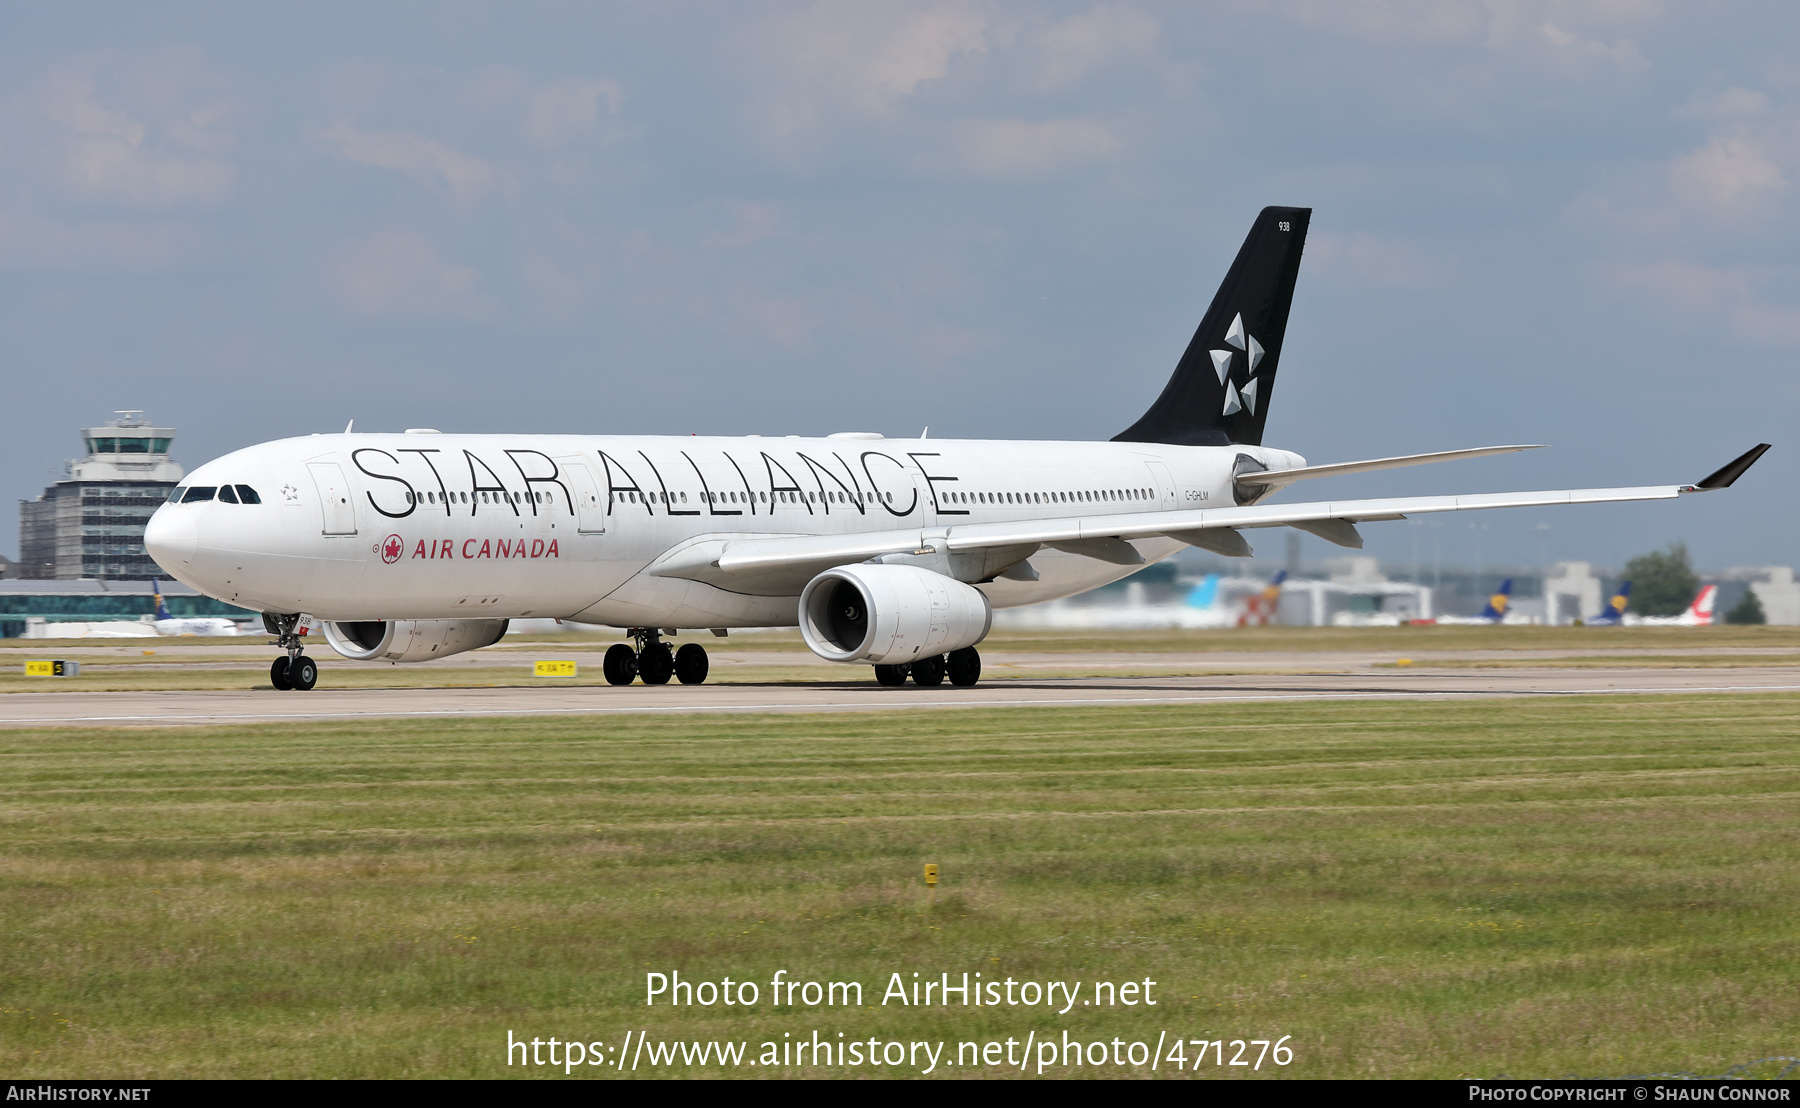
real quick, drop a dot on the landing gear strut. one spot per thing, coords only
(654, 660)
(962, 667)
(295, 670)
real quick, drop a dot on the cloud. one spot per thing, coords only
(1726, 173)
(1623, 53)
(1069, 50)
(1013, 148)
(106, 154)
(426, 161)
(399, 275)
(836, 59)
(570, 110)
(1732, 299)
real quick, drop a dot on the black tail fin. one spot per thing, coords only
(1222, 386)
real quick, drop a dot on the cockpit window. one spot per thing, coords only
(177, 493)
(227, 495)
(198, 493)
(247, 495)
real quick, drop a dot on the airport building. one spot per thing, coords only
(90, 524)
(33, 609)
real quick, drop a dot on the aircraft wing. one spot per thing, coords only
(773, 565)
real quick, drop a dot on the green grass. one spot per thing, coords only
(1536, 887)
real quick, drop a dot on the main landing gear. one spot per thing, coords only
(654, 661)
(962, 667)
(294, 670)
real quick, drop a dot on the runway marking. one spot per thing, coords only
(887, 705)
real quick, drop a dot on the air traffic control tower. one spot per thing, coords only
(91, 523)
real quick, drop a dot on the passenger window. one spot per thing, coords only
(227, 495)
(199, 493)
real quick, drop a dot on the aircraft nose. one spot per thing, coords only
(171, 537)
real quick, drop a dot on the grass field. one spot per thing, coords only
(1535, 887)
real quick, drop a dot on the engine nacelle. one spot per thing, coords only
(890, 615)
(411, 640)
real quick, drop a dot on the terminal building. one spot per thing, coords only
(90, 524)
(81, 544)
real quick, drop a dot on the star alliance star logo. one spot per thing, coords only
(1236, 399)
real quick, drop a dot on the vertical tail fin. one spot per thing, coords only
(1496, 605)
(1702, 608)
(1206, 593)
(1615, 608)
(162, 610)
(1222, 386)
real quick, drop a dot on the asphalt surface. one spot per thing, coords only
(1346, 680)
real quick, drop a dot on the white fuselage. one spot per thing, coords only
(436, 526)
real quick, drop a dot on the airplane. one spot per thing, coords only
(1261, 607)
(167, 624)
(1699, 613)
(1614, 615)
(891, 553)
(1494, 613)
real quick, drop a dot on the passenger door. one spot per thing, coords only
(1165, 485)
(590, 510)
(339, 513)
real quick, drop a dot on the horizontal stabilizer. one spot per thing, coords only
(1339, 469)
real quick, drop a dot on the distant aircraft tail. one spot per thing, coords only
(1220, 391)
(1496, 605)
(1700, 612)
(1260, 607)
(1615, 608)
(1206, 593)
(162, 610)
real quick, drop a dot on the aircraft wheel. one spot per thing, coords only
(303, 672)
(278, 674)
(620, 664)
(656, 664)
(890, 676)
(691, 664)
(964, 666)
(928, 672)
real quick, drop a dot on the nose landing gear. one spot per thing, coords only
(295, 670)
(654, 660)
(962, 667)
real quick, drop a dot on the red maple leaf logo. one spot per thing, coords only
(392, 548)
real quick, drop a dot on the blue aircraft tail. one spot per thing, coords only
(1496, 605)
(1615, 608)
(1206, 593)
(162, 610)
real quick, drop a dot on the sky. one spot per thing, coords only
(1534, 222)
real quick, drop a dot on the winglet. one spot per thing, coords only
(1722, 478)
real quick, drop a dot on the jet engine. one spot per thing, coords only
(411, 640)
(890, 615)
